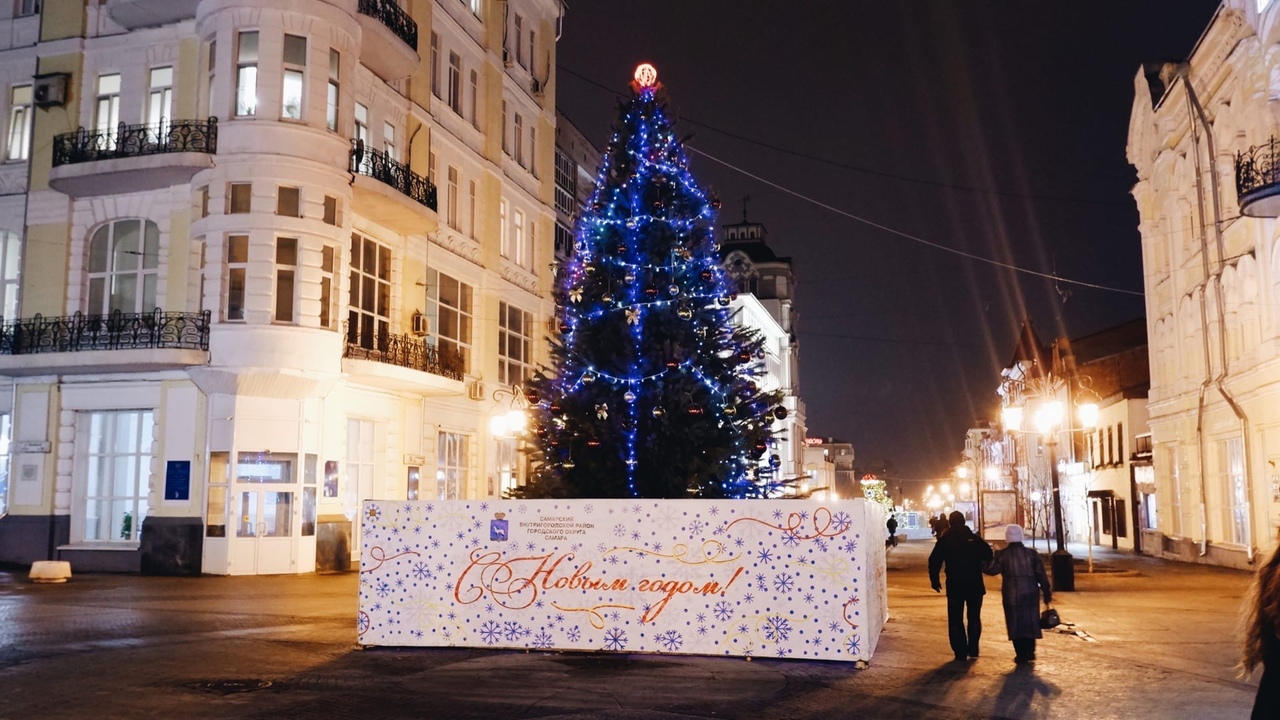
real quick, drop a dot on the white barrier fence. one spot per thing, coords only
(768, 578)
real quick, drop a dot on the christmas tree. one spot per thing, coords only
(652, 391)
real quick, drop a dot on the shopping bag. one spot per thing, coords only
(1049, 618)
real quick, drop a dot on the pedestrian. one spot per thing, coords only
(939, 526)
(892, 525)
(1024, 581)
(962, 554)
(1262, 637)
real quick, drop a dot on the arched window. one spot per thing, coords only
(124, 261)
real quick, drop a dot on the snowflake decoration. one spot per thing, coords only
(762, 582)
(383, 588)
(783, 582)
(615, 639)
(574, 633)
(490, 632)
(619, 530)
(852, 645)
(723, 610)
(670, 640)
(695, 527)
(777, 629)
(766, 556)
(542, 641)
(850, 546)
(511, 630)
(841, 521)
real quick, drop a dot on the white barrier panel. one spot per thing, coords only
(768, 578)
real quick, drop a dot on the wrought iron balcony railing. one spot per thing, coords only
(406, 351)
(377, 165)
(394, 17)
(117, 331)
(1257, 168)
(169, 136)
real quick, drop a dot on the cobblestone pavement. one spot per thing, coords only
(1149, 639)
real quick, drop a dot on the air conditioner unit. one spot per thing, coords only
(421, 325)
(535, 86)
(475, 390)
(50, 89)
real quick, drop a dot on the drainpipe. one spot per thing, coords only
(1184, 71)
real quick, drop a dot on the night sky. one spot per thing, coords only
(995, 129)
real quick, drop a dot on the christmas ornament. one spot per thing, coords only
(646, 75)
(674, 289)
(602, 411)
(730, 410)
(588, 378)
(722, 301)
(633, 315)
(684, 312)
(695, 409)
(629, 396)
(576, 294)
(780, 413)
(658, 412)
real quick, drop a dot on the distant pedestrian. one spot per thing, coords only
(1024, 582)
(963, 554)
(892, 525)
(939, 525)
(1262, 637)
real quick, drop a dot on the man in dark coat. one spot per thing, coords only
(963, 554)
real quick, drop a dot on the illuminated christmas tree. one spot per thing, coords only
(652, 390)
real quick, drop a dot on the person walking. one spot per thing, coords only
(1024, 582)
(892, 526)
(962, 554)
(1262, 637)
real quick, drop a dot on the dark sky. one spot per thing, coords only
(993, 128)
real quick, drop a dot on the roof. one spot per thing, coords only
(1131, 335)
(1029, 349)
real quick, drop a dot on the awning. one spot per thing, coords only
(1102, 493)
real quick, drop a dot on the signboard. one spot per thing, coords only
(768, 578)
(177, 480)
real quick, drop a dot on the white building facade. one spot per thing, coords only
(265, 259)
(1199, 135)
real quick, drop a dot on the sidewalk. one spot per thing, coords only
(1156, 641)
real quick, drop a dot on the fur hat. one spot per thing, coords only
(1013, 533)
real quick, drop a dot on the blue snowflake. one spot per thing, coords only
(399, 583)
(613, 559)
(657, 547)
(430, 508)
(484, 507)
(619, 530)
(670, 640)
(602, 548)
(490, 632)
(416, 633)
(511, 630)
(743, 628)
(574, 633)
(702, 629)
(475, 525)
(435, 544)
(417, 529)
(790, 540)
(777, 514)
(850, 546)
(821, 544)
(700, 617)
(637, 509)
(762, 582)
(783, 651)
(588, 508)
(723, 610)
(718, 531)
(776, 628)
(635, 535)
(841, 521)
(783, 582)
(852, 644)
(461, 535)
(615, 616)
(696, 527)
(748, 598)
(452, 615)
(522, 509)
(739, 542)
(531, 546)
(439, 567)
(559, 618)
(383, 588)
(804, 515)
(489, 608)
(834, 626)
(615, 639)
(715, 510)
(766, 556)
(808, 598)
(538, 603)
(362, 622)
(542, 640)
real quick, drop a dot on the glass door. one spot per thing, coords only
(266, 524)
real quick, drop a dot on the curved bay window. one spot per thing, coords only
(123, 268)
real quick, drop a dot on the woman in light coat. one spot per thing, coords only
(1024, 581)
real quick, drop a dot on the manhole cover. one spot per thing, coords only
(228, 687)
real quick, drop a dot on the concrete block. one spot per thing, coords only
(50, 571)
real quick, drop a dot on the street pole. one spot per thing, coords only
(1064, 573)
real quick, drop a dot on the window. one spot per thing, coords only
(533, 150)
(288, 201)
(10, 267)
(360, 458)
(330, 210)
(295, 65)
(160, 96)
(451, 465)
(455, 83)
(514, 344)
(475, 99)
(19, 145)
(106, 118)
(247, 74)
(518, 137)
(6, 435)
(449, 314)
(504, 232)
(505, 146)
(116, 458)
(215, 524)
(124, 261)
(451, 198)
(1120, 443)
(475, 7)
(566, 184)
(471, 211)
(238, 197)
(26, 8)
(237, 275)
(517, 235)
(202, 201)
(286, 273)
(435, 64)
(412, 482)
(519, 37)
(564, 240)
(369, 314)
(533, 44)
(309, 463)
(1236, 499)
(510, 467)
(213, 57)
(389, 141)
(362, 123)
(331, 97)
(1175, 485)
(328, 286)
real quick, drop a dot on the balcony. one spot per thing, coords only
(1258, 180)
(388, 192)
(134, 14)
(402, 363)
(119, 342)
(132, 158)
(390, 39)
